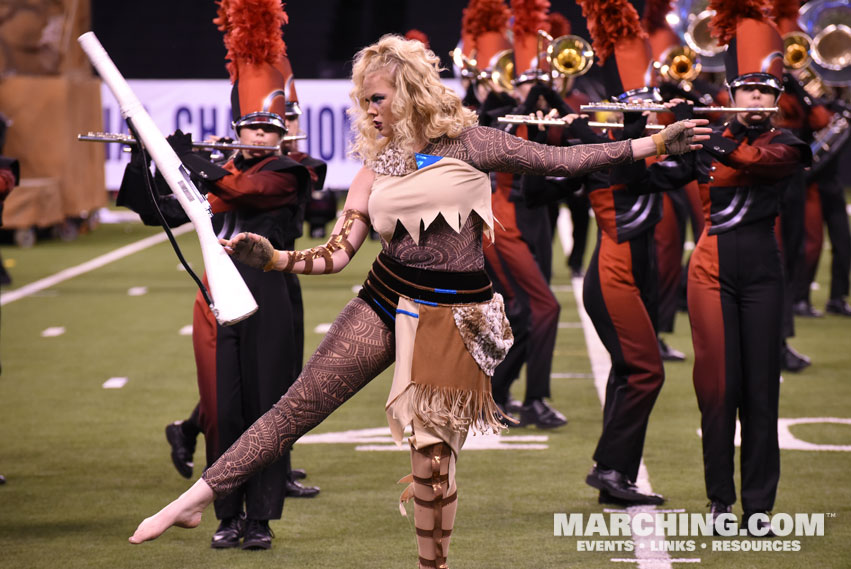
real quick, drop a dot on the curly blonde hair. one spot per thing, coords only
(422, 105)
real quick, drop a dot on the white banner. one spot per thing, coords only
(202, 108)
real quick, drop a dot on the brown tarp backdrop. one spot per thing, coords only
(48, 92)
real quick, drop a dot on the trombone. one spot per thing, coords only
(533, 120)
(130, 141)
(654, 108)
(498, 76)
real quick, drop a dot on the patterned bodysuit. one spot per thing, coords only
(359, 346)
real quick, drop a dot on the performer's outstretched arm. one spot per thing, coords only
(349, 233)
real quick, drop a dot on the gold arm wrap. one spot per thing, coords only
(336, 242)
(271, 264)
(660, 143)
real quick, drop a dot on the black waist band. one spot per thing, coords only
(389, 279)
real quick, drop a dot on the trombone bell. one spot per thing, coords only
(570, 55)
(796, 50)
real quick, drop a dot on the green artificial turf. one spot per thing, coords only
(85, 464)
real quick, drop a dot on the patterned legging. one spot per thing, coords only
(355, 350)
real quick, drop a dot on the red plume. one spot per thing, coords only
(530, 16)
(729, 12)
(415, 34)
(610, 21)
(786, 9)
(482, 16)
(252, 31)
(654, 15)
(559, 25)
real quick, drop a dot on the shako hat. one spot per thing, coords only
(257, 61)
(754, 46)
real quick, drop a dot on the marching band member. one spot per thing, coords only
(670, 232)
(824, 205)
(736, 283)
(519, 255)
(621, 283)
(427, 302)
(245, 368)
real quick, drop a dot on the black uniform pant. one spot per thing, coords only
(254, 368)
(833, 208)
(620, 296)
(735, 294)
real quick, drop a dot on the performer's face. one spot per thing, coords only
(753, 95)
(292, 128)
(259, 135)
(379, 91)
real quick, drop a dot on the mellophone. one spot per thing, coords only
(533, 120)
(130, 141)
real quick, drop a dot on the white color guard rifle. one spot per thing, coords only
(231, 299)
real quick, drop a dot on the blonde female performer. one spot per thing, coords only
(427, 302)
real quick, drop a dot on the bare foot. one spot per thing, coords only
(185, 512)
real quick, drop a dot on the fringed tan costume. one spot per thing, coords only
(427, 304)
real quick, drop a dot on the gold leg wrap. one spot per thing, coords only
(435, 502)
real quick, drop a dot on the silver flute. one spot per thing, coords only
(129, 140)
(531, 119)
(640, 108)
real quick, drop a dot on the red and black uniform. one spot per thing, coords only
(620, 294)
(245, 368)
(531, 306)
(800, 228)
(735, 295)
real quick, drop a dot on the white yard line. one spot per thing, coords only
(601, 363)
(96, 263)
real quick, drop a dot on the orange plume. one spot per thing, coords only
(729, 12)
(252, 31)
(530, 16)
(610, 21)
(482, 16)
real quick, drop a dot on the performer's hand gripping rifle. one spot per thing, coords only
(231, 299)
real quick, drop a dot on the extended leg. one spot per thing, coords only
(435, 502)
(356, 349)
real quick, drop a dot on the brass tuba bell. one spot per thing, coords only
(690, 21)
(828, 22)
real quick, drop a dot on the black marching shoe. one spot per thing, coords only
(606, 498)
(513, 405)
(717, 508)
(182, 448)
(616, 485)
(229, 533)
(669, 354)
(805, 309)
(762, 527)
(298, 474)
(790, 360)
(838, 306)
(295, 489)
(258, 535)
(540, 414)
